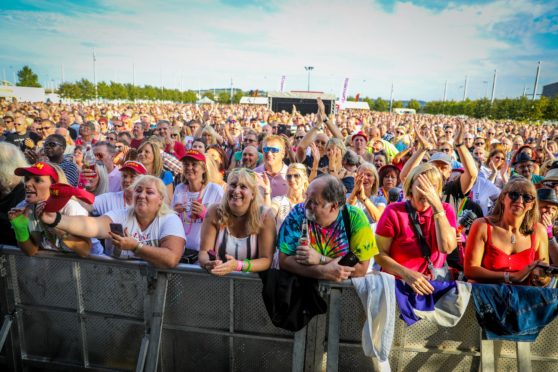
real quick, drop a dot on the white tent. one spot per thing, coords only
(254, 101)
(23, 94)
(353, 105)
(205, 101)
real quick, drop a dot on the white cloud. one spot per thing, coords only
(207, 43)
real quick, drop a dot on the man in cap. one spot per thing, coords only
(548, 209)
(550, 180)
(119, 199)
(359, 142)
(524, 166)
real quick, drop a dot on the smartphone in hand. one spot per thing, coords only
(116, 228)
(350, 259)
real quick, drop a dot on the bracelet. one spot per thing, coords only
(239, 265)
(249, 263)
(549, 232)
(459, 144)
(323, 260)
(439, 214)
(507, 278)
(56, 220)
(138, 247)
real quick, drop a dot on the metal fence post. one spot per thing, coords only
(523, 355)
(333, 330)
(7, 307)
(154, 312)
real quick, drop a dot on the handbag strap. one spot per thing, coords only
(416, 227)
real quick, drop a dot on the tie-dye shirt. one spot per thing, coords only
(329, 241)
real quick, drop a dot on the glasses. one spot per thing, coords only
(299, 137)
(499, 158)
(291, 176)
(273, 150)
(527, 198)
(479, 143)
(250, 140)
(492, 133)
(8, 121)
(51, 144)
(401, 133)
(122, 125)
(447, 151)
(43, 128)
(111, 138)
(320, 142)
(18, 124)
(174, 135)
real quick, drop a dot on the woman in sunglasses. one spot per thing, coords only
(507, 246)
(496, 169)
(298, 183)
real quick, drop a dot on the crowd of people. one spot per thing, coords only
(242, 188)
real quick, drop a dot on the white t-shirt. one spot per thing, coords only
(212, 193)
(161, 227)
(50, 241)
(108, 202)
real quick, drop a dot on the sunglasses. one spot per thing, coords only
(250, 140)
(550, 184)
(51, 144)
(121, 125)
(291, 176)
(43, 128)
(111, 139)
(401, 133)
(273, 150)
(320, 142)
(174, 135)
(299, 137)
(527, 198)
(8, 121)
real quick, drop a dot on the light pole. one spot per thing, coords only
(308, 68)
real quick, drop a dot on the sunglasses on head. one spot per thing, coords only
(273, 150)
(527, 198)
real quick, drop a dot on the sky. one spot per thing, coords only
(416, 45)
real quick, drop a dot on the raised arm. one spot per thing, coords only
(470, 174)
(415, 160)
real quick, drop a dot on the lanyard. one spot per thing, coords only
(461, 206)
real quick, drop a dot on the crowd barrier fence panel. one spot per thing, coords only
(62, 311)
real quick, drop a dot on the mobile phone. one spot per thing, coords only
(548, 268)
(350, 259)
(283, 129)
(116, 228)
(212, 255)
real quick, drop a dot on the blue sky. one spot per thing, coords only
(416, 44)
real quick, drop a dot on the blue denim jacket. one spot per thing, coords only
(514, 313)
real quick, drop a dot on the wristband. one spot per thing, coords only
(507, 278)
(56, 220)
(20, 225)
(549, 232)
(239, 265)
(439, 214)
(137, 248)
(247, 270)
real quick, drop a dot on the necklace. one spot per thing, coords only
(513, 238)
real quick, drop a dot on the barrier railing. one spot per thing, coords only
(60, 311)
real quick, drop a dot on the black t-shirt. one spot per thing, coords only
(6, 203)
(19, 139)
(309, 161)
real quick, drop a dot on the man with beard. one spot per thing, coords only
(334, 230)
(250, 157)
(54, 147)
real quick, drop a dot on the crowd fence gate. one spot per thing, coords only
(60, 311)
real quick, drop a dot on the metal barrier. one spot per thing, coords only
(62, 311)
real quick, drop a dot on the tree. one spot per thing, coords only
(414, 104)
(397, 104)
(238, 94)
(209, 94)
(224, 97)
(27, 78)
(69, 90)
(381, 104)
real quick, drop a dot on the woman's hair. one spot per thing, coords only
(522, 149)
(339, 143)
(370, 167)
(384, 171)
(212, 133)
(301, 169)
(201, 140)
(254, 213)
(492, 153)
(523, 185)
(11, 158)
(430, 171)
(224, 163)
(164, 209)
(102, 174)
(212, 172)
(157, 167)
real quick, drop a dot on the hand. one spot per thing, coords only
(539, 277)
(460, 237)
(459, 135)
(362, 194)
(418, 282)
(15, 212)
(493, 166)
(306, 255)
(520, 276)
(46, 217)
(264, 183)
(125, 242)
(315, 153)
(28, 142)
(221, 268)
(179, 208)
(425, 187)
(31, 155)
(335, 272)
(198, 209)
(423, 141)
(321, 110)
(546, 219)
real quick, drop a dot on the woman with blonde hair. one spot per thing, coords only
(238, 233)
(297, 180)
(12, 190)
(152, 231)
(401, 252)
(507, 246)
(365, 193)
(149, 154)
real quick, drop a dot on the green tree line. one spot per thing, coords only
(85, 90)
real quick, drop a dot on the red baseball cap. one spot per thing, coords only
(360, 134)
(60, 193)
(193, 154)
(38, 169)
(135, 166)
